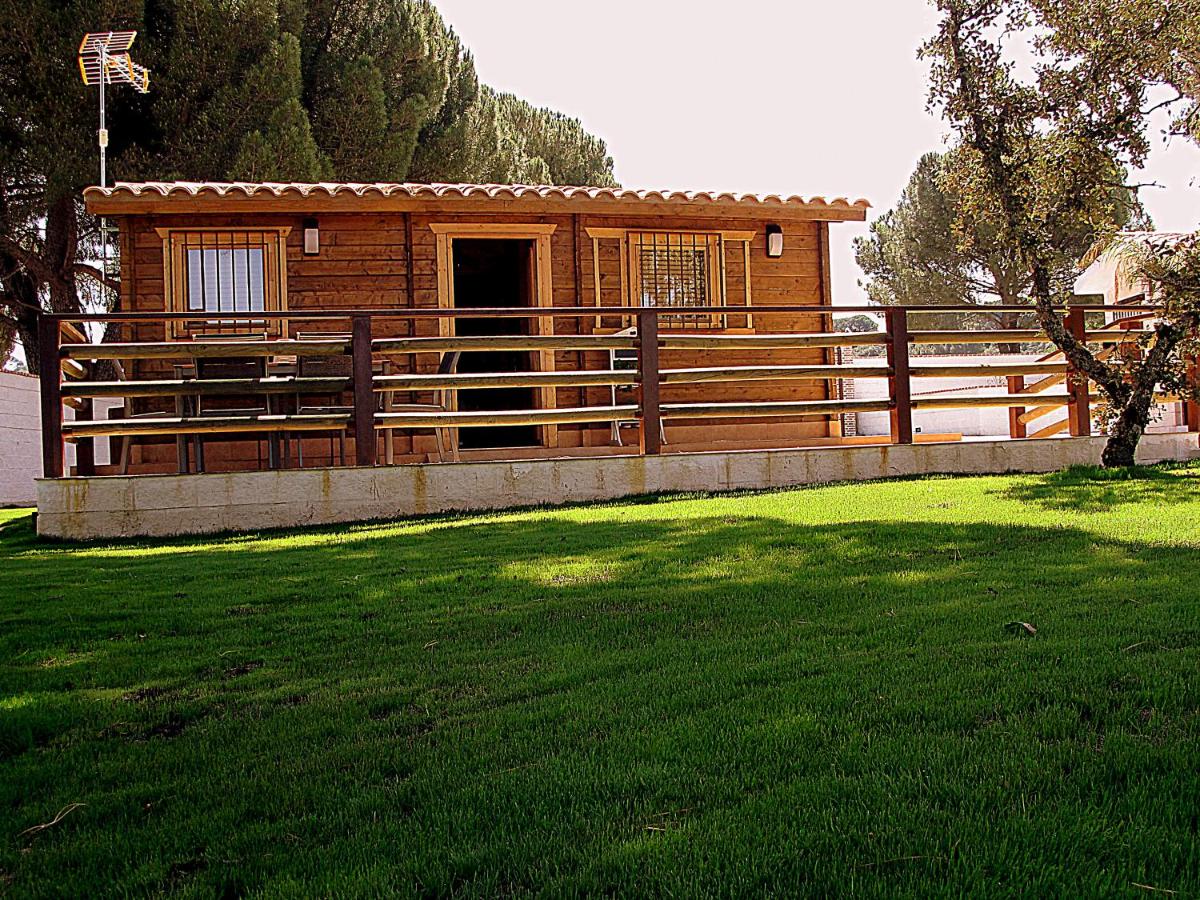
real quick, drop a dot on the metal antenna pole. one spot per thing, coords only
(104, 57)
(103, 139)
(103, 129)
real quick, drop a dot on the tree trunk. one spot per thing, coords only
(20, 299)
(56, 272)
(27, 330)
(61, 247)
(46, 277)
(1008, 321)
(1127, 431)
(1131, 424)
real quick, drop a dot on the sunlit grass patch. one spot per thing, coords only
(815, 691)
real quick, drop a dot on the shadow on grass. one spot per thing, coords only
(1093, 489)
(732, 667)
(15, 526)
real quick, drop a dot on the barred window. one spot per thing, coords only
(225, 279)
(678, 270)
(225, 272)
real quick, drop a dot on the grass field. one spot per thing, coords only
(806, 692)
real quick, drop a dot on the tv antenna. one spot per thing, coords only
(104, 60)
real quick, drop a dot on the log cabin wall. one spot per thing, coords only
(799, 277)
(389, 260)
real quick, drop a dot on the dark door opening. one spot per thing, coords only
(494, 272)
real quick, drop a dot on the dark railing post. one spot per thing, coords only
(651, 414)
(1191, 402)
(85, 448)
(364, 392)
(899, 386)
(1079, 412)
(1016, 428)
(50, 379)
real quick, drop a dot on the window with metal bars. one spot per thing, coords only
(225, 279)
(678, 270)
(226, 273)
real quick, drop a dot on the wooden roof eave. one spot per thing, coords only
(123, 204)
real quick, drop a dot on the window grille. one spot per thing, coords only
(226, 273)
(679, 271)
(225, 279)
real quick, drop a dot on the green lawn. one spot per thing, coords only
(811, 692)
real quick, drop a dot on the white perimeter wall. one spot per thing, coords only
(20, 439)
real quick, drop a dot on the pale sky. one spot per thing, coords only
(769, 96)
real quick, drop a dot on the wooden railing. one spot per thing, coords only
(1126, 321)
(68, 358)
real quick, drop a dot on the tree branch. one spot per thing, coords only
(1165, 103)
(96, 274)
(8, 299)
(28, 258)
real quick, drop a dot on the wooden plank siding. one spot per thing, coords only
(389, 260)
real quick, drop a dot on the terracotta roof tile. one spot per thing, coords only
(438, 191)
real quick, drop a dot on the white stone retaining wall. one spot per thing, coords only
(84, 508)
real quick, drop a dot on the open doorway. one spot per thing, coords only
(495, 272)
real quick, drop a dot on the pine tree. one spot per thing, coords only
(929, 250)
(286, 90)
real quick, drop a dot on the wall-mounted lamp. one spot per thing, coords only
(774, 241)
(312, 238)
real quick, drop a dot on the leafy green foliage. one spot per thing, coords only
(810, 692)
(930, 250)
(856, 324)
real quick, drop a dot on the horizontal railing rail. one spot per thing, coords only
(377, 367)
(524, 312)
(176, 387)
(595, 378)
(771, 408)
(995, 336)
(966, 370)
(505, 418)
(478, 343)
(203, 348)
(771, 373)
(966, 401)
(227, 424)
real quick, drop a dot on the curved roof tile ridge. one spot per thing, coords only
(464, 190)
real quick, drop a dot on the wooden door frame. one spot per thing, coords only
(543, 291)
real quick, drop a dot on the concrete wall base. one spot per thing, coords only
(154, 505)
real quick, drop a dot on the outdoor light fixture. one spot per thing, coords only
(774, 241)
(312, 238)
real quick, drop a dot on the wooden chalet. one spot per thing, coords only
(561, 344)
(264, 261)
